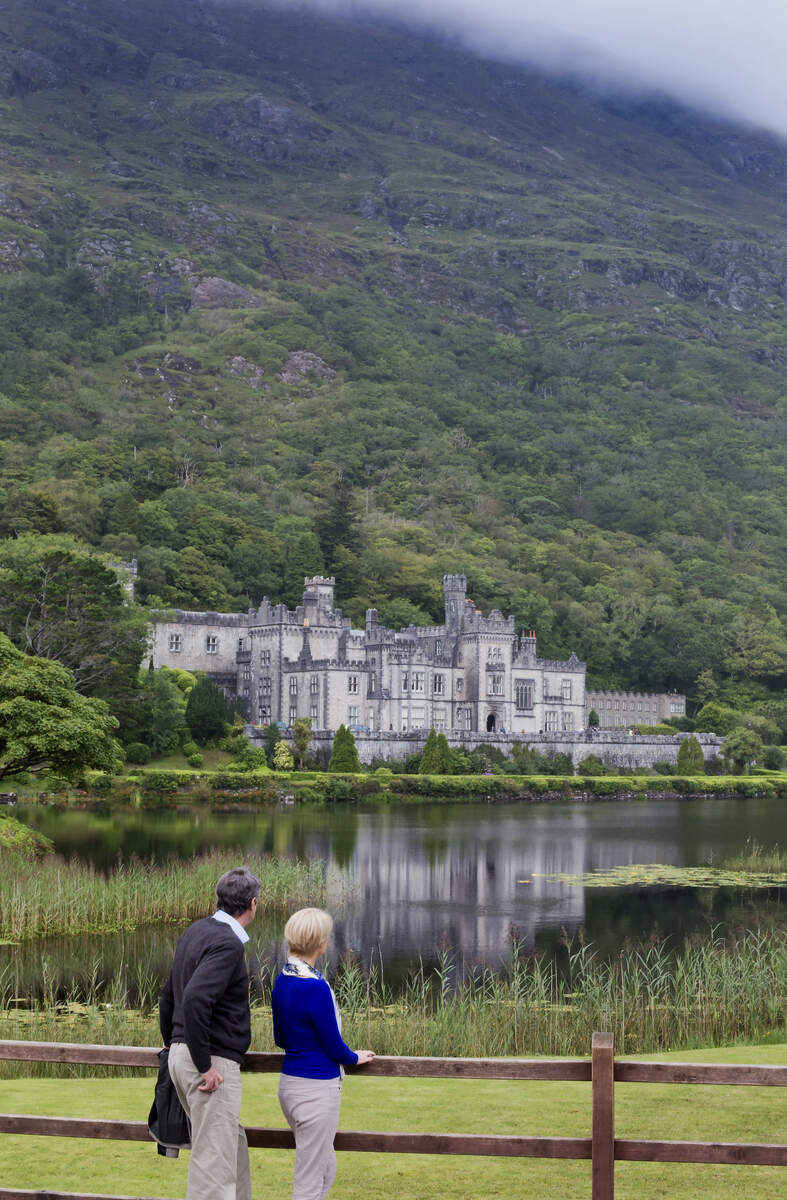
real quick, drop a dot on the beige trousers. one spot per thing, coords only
(311, 1107)
(219, 1162)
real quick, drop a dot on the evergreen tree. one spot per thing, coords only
(690, 757)
(428, 764)
(443, 761)
(207, 711)
(344, 756)
(593, 719)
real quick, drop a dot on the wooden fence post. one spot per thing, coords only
(603, 1134)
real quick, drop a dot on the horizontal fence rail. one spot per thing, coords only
(602, 1070)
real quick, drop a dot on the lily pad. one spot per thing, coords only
(661, 874)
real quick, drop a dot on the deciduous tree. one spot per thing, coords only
(741, 748)
(301, 736)
(45, 724)
(59, 600)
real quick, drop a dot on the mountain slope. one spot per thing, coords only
(284, 294)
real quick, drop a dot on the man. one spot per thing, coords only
(206, 1023)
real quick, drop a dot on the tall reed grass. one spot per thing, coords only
(56, 897)
(707, 993)
(756, 857)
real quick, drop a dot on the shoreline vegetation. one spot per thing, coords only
(707, 992)
(59, 898)
(160, 789)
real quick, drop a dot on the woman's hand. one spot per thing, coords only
(364, 1056)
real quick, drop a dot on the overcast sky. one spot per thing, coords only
(727, 56)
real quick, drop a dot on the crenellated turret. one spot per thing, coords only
(455, 591)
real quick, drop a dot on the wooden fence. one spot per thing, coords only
(601, 1070)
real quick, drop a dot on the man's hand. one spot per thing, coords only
(364, 1056)
(210, 1080)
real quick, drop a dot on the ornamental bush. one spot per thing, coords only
(138, 753)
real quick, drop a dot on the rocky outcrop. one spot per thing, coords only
(247, 372)
(214, 292)
(16, 254)
(28, 71)
(301, 364)
(272, 133)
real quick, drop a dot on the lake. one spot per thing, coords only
(408, 882)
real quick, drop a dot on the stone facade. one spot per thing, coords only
(619, 710)
(473, 674)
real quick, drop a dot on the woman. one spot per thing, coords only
(307, 1025)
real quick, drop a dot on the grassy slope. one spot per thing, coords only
(673, 1113)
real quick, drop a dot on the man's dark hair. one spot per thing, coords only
(236, 889)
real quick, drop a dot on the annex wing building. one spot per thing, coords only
(473, 673)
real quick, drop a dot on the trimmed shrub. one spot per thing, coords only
(138, 753)
(190, 748)
(195, 760)
(562, 764)
(98, 783)
(773, 758)
(338, 790)
(162, 783)
(591, 764)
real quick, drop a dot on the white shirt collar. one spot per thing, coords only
(235, 926)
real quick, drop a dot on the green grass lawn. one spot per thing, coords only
(649, 1111)
(212, 760)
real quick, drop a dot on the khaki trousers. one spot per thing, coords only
(219, 1162)
(311, 1107)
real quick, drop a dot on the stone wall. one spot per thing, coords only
(614, 748)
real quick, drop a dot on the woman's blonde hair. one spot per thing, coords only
(307, 929)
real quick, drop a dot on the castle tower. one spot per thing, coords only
(319, 590)
(455, 590)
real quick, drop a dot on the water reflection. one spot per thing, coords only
(421, 877)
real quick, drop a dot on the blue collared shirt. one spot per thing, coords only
(235, 926)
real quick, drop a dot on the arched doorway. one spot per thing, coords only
(491, 722)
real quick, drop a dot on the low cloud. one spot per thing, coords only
(721, 55)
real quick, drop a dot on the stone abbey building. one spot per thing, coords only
(473, 674)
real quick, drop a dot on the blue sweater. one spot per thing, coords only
(304, 1025)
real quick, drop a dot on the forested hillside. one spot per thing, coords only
(282, 294)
